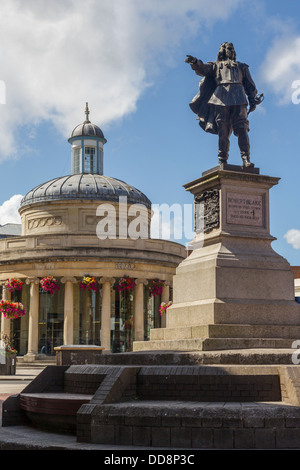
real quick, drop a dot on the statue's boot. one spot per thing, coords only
(222, 160)
(246, 162)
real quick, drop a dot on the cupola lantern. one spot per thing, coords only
(87, 142)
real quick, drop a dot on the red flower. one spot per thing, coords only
(50, 284)
(12, 310)
(89, 283)
(156, 287)
(14, 284)
(126, 284)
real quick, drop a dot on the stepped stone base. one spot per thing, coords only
(138, 402)
(222, 373)
(224, 337)
(233, 291)
(185, 357)
(194, 425)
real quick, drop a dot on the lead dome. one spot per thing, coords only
(87, 181)
(84, 186)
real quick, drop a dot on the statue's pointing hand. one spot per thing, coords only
(190, 59)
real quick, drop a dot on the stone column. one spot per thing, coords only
(139, 310)
(106, 282)
(33, 325)
(69, 309)
(165, 297)
(5, 322)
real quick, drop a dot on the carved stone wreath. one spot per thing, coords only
(207, 211)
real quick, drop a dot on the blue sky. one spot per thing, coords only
(126, 58)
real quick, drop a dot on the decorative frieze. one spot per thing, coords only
(44, 222)
(125, 266)
(207, 211)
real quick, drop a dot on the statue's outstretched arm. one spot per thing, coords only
(198, 66)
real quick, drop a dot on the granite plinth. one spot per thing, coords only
(77, 354)
(233, 291)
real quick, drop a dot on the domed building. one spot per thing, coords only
(80, 228)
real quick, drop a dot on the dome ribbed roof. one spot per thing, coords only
(87, 129)
(84, 186)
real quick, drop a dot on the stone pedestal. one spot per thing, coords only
(9, 366)
(233, 291)
(75, 354)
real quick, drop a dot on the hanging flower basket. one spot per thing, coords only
(163, 307)
(126, 284)
(11, 310)
(89, 283)
(156, 287)
(50, 284)
(14, 284)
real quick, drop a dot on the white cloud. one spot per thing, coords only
(281, 67)
(56, 55)
(293, 238)
(9, 210)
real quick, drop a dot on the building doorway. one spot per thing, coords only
(122, 330)
(51, 321)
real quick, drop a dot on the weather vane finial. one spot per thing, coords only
(87, 112)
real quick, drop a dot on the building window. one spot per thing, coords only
(152, 318)
(76, 160)
(88, 323)
(19, 326)
(51, 321)
(89, 160)
(122, 328)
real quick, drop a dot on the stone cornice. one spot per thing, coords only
(68, 279)
(111, 280)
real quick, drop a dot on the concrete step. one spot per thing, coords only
(226, 331)
(53, 411)
(209, 384)
(38, 363)
(171, 345)
(213, 344)
(229, 311)
(199, 425)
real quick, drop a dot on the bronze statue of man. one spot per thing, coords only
(221, 104)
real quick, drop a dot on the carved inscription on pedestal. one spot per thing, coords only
(244, 209)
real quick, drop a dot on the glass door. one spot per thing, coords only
(51, 321)
(122, 329)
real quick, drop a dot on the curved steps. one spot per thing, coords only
(53, 411)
